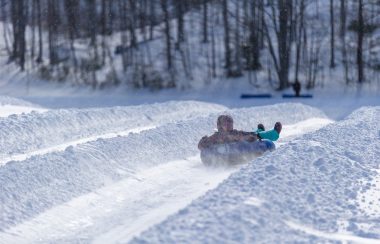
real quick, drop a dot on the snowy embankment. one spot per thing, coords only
(11, 106)
(40, 183)
(5, 100)
(34, 133)
(310, 190)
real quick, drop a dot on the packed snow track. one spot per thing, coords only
(322, 187)
(88, 179)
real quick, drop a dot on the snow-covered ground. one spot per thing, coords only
(11, 106)
(106, 175)
(82, 165)
(119, 186)
(313, 189)
(23, 135)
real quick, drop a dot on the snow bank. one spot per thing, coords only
(5, 100)
(32, 131)
(32, 186)
(306, 191)
(7, 110)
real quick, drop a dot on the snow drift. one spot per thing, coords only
(32, 131)
(306, 191)
(5, 100)
(34, 185)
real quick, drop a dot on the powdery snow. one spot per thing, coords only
(11, 106)
(121, 210)
(7, 110)
(33, 186)
(6, 100)
(302, 192)
(23, 134)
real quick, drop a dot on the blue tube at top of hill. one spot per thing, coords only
(235, 153)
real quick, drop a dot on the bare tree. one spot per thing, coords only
(300, 33)
(40, 41)
(152, 18)
(282, 29)
(164, 6)
(205, 22)
(238, 66)
(332, 36)
(227, 51)
(52, 18)
(255, 31)
(132, 23)
(4, 12)
(103, 24)
(123, 26)
(22, 12)
(19, 10)
(71, 7)
(180, 21)
(342, 36)
(359, 50)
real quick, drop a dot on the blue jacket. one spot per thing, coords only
(271, 135)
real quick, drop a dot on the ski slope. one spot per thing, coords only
(119, 186)
(321, 187)
(26, 134)
(13, 106)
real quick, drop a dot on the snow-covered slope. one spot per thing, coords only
(21, 134)
(306, 191)
(39, 183)
(7, 110)
(11, 106)
(6, 100)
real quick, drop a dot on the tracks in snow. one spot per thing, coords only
(23, 134)
(120, 210)
(64, 146)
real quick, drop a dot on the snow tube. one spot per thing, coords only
(294, 96)
(235, 153)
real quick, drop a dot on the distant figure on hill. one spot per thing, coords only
(297, 87)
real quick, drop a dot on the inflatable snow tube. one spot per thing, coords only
(235, 153)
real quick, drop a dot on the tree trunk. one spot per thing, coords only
(238, 69)
(22, 27)
(227, 50)
(152, 18)
(14, 17)
(299, 37)
(40, 41)
(180, 22)
(254, 36)
(103, 24)
(332, 36)
(5, 19)
(132, 23)
(52, 28)
(343, 17)
(205, 22)
(123, 35)
(164, 5)
(359, 52)
(284, 46)
(342, 35)
(33, 26)
(18, 12)
(71, 8)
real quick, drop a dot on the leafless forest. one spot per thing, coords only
(106, 43)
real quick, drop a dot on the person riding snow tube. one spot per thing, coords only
(230, 146)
